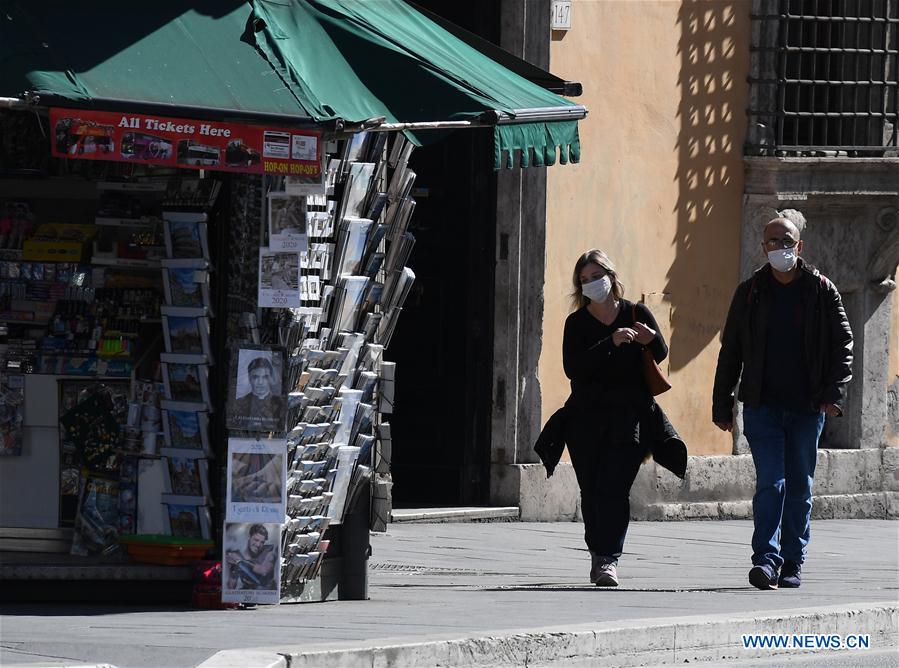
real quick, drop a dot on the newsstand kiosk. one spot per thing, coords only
(192, 349)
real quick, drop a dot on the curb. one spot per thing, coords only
(624, 643)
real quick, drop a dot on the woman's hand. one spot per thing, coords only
(644, 334)
(624, 335)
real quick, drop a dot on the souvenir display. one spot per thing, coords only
(257, 480)
(256, 389)
(186, 334)
(186, 362)
(187, 516)
(188, 472)
(97, 522)
(186, 283)
(186, 382)
(92, 436)
(185, 235)
(94, 428)
(11, 414)
(251, 564)
(279, 279)
(287, 223)
(186, 429)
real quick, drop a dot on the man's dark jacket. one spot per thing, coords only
(827, 343)
(657, 437)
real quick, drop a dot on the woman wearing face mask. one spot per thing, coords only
(609, 402)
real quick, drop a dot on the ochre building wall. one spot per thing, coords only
(660, 184)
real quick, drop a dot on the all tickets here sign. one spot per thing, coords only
(189, 143)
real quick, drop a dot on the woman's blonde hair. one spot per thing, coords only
(596, 257)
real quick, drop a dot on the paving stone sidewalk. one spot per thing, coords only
(432, 581)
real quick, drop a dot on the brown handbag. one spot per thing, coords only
(656, 380)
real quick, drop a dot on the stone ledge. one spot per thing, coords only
(890, 469)
(821, 176)
(848, 484)
(873, 505)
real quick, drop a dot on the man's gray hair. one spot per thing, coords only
(794, 216)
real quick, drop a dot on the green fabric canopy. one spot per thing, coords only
(346, 61)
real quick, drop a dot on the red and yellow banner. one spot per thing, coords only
(148, 139)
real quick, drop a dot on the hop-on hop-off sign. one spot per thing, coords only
(188, 143)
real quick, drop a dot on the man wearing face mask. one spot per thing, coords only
(788, 342)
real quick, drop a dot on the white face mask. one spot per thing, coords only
(783, 260)
(598, 290)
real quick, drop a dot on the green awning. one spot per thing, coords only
(154, 53)
(544, 139)
(340, 61)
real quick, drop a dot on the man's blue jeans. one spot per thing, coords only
(784, 447)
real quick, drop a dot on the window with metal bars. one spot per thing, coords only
(825, 77)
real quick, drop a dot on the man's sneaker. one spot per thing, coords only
(763, 577)
(606, 575)
(790, 575)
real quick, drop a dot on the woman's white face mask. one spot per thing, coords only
(597, 291)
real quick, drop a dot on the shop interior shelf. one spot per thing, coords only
(48, 189)
(18, 321)
(140, 223)
(147, 186)
(126, 263)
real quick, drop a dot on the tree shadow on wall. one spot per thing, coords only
(714, 55)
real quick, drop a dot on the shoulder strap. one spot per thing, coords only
(634, 312)
(751, 290)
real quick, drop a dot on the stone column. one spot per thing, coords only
(518, 287)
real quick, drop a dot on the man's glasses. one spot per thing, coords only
(777, 244)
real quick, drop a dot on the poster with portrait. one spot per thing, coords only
(287, 223)
(256, 399)
(257, 480)
(279, 279)
(251, 563)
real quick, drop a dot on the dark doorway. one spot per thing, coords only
(443, 341)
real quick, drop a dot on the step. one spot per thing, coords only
(459, 514)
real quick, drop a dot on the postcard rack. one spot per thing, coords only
(332, 280)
